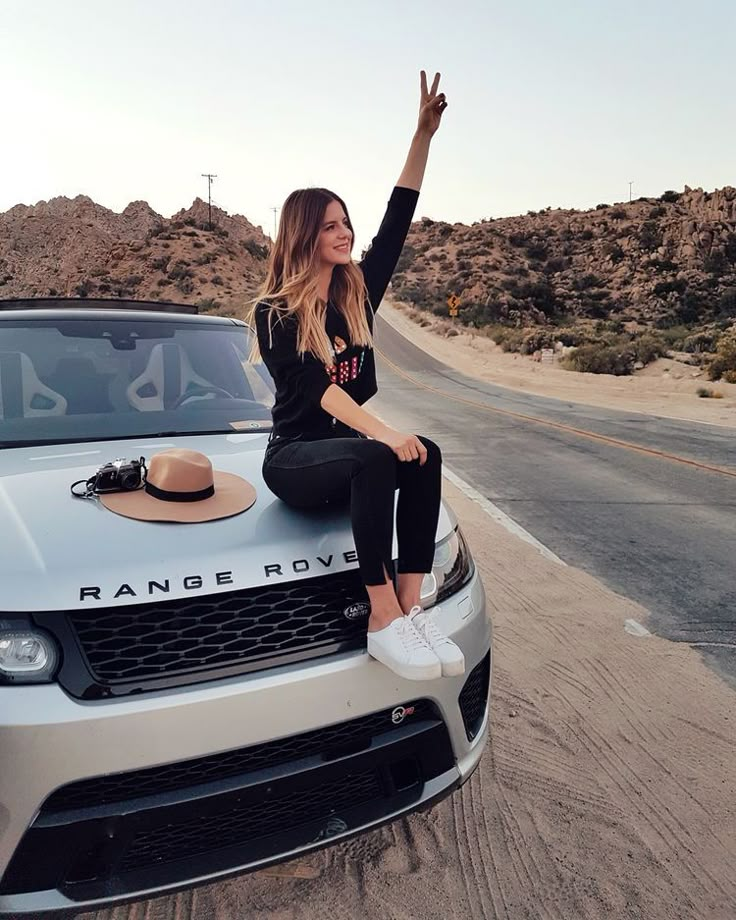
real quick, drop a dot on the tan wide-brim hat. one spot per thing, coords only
(182, 487)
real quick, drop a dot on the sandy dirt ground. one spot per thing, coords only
(607, 789)
(665, 387)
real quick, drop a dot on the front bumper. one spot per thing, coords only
(279, 810)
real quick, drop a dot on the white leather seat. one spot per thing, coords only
(22, 395)
(170, 373)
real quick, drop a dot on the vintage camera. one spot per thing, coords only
(120, 476)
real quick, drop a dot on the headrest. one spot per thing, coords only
(22, 395)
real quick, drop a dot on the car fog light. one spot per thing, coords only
(26, 656)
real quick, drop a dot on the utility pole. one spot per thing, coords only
(209, 177)
(630, 184)
(274, 222)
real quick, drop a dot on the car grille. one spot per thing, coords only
(329, 743)
(146, 646)
(260, 819)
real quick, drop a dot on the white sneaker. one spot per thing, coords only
(400, 647)
(449, 654)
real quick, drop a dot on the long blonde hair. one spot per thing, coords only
(292, 277)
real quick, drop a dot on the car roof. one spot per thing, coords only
(45, 308)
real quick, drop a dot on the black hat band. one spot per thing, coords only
(165, 496)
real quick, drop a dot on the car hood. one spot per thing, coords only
(58, 552)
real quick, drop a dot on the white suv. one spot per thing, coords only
(179, 703)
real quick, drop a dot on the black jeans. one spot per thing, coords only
(331, 470)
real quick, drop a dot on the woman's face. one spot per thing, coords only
(335, 236)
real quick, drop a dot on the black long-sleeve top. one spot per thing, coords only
(301, 380)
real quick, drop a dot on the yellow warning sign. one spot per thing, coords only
(453, 302)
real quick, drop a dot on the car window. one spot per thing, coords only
(94, 379)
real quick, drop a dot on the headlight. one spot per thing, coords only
(451, 569)
(26, 655)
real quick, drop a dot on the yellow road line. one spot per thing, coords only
(581, 432)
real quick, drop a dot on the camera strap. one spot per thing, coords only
(89, 486)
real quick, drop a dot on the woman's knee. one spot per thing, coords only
(374, 455)
(434, 454)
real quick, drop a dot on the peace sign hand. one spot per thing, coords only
(431, 106)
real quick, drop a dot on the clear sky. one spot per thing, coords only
(551, 102)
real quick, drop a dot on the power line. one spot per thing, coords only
(209, 177)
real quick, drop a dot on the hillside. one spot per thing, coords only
(652, 262)
(74, 247)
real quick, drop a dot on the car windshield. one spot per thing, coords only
(90, 378)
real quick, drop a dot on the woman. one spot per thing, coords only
(314, 319)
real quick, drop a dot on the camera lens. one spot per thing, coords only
(129, 481)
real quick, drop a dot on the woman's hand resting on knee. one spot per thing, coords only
(405, 446)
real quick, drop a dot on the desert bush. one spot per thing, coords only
(163, 282)
(670, 196)
(406, 258)
(510, 340)
(257, 250)
(648, 346)
(727, 303)
(207, 304)
(536, 340)
(587, 234)
(180, 272)
(554, 265)
(586, 281)
(217, 280)
(161, 263)
(478, 315)
(650, 235)
(715, 263)
(84, 288)
(612, 251)
(185, 285)
(198, 244)
(729, 376)
(618, 213)
(698, 342)
(665, 287)
(501, 334)
(536, 251)
(600, 207)
(663, 265)
(725, 359)
(601, 359)
(572, 337)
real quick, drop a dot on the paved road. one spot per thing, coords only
(655, 529)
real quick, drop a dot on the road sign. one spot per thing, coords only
(453, 301)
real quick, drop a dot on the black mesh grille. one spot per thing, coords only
(248, 628)
(474, 697)
(248, 822)
(330, 742)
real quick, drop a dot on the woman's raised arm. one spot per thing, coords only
(431, 106)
